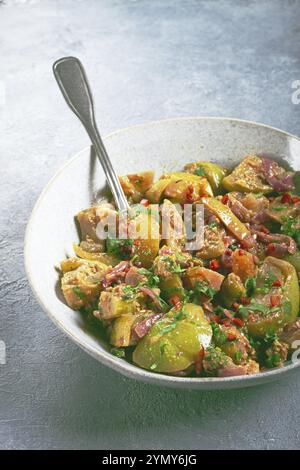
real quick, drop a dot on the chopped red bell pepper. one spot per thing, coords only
(214, 264)
(215, 318)
(286, 198)
(145, 202)
(231, 336)
(189, 193)
(238, 322)
(275, 300)
(176, 301)
(225, 199)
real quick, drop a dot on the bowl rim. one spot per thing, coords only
(105, 357)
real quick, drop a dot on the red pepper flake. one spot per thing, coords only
(231, 336)
(276, 283)
(214, 264)
(176, 301)
(241, 252)
(286, 198)
(295, 199)
(225, 199)
(136, 242)
(270, 248)
(245, 300)
(199, 360)
(275, 300)
(215, 318)
(226, 322)
(238, 322)
(189, 193)
(145, 202)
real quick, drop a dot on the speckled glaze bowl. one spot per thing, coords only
(159, 146)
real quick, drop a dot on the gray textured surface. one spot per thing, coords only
(146, 60)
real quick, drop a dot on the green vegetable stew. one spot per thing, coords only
(226, 307)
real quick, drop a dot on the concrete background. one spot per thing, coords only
(146, 60)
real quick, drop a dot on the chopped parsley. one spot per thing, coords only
(269, 280)
(134, 259)
(238, 355)
(218, 310)
(119, 352)
(118, 247)
(77, 291)
(213, 224)
(177, 269)
(270, 336)
(290, 227)
(273, 361)
(152, 280)
(250, 286)
(253, 307)
(200, 171)
(166, 329)
(180, 315)
(279, 208)
(260, 285)
(203, 288)
(172, 265)
(129, 292)
(233, 247)
(216, 358)
(218, 335)
(256, 307)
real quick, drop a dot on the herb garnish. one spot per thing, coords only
(120, 248)
(250, 286)
(152, 280)
(270, 336)
(129, 292)
(213, 224)
(238, 355)
(233, 247)
(77, 291)
(202, 287)
(200, 171)
(119, 352)
(218, 335)
(167, 328)
(290, 227)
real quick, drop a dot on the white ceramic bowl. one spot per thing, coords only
(160, 146)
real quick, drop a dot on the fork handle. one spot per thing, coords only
(72, 81)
